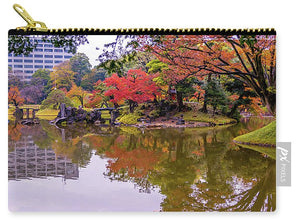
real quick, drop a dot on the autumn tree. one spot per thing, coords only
(62, 76)
(250, 59)
(14, 96)
(78, 93)
(136, 87)
(177, 69)
(98, 97)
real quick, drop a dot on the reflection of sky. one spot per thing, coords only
(95, 41)
(91, 192)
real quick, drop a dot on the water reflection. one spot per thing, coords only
(194, 169)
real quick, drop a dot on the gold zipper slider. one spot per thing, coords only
(31, 24)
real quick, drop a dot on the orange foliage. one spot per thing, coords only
(14, 96)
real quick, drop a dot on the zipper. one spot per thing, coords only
(39, 28)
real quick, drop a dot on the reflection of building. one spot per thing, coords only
(45, 56)
(29, 161)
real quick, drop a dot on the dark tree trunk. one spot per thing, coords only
(204, 108)
(131, 106)
(179, 100)
(233, 109)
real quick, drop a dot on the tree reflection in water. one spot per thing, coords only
(195, 169)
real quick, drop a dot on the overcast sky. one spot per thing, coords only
(95, 41)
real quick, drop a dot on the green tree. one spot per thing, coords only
(88, 81)
(215, 95)
(80, 65)
(184, 88)
(41, 78)
(235, 86)
(55, 98)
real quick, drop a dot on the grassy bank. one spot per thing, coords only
(265, 136)
(269, 151)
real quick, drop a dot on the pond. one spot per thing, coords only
(92, 168)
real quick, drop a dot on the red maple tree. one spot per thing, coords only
(136, 87)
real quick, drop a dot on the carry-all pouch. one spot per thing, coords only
(141, 119)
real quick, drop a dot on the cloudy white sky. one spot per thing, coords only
(95, 41)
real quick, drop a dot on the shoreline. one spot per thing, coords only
(255, 144)
(188, 124)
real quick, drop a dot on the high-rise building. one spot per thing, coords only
(45, 56)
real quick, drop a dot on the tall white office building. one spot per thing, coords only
(45, 56)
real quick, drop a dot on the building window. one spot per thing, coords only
(38, 61)
(48, 66)
(56, 62)
(28, 61)
(19, 56)
(39, 45)
(48, 50)
(67, 56)
(18, 60)
(38, 55)
(48, 61)
(29, 56)
(18, 66)
(48, 45)
(10, 66)
(58, 50)
(58, 56)
(9, 55)
(39, 41)
(28, 66)
(9, 60)
(38, 66)
(38, 50)
(48, 56)
(28, 71)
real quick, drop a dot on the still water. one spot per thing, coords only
(88, 168)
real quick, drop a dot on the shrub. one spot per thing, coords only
(54, 99)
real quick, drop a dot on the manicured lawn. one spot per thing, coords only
(47, 112)
(262, 136)
(203, 117)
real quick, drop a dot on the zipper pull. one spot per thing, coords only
(31, 24)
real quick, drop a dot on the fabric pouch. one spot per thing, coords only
(141, 119)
